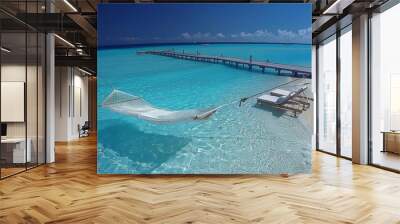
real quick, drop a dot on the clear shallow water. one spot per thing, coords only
(246, 139)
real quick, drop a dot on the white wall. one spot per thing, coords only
(62, 82)
(17, 72)
(14, 72)
(71, 102)
(80, 109)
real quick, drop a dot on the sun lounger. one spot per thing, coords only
(282, 92)
(273, 99)
(297, 95)
(280, 102)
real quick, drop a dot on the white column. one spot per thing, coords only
(50, 92)
(50, 99)
(360, 90)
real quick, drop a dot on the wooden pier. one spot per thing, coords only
(281, 69)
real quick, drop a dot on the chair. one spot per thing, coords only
(84, 130)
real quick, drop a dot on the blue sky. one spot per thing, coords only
(130, 24)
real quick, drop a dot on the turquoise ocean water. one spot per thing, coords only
(245, 139)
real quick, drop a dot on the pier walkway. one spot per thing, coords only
(281, 69)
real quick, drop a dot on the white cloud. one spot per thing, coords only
(186, 35)
(305, 34)
(244, 34)
(260, 35)
(199, 36)
(256, 35)
(297, 36)
(220, 35)
(286, 34)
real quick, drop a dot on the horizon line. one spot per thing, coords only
(192, 43)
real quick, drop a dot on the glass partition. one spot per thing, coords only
(346, 92)
(14, 153)
(23, 90)
(327, 96)
(385, 89)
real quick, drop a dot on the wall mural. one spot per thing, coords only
(204, 88)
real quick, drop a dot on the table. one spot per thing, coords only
(391, 141)
(16, 153)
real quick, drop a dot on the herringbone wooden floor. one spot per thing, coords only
(70, 191)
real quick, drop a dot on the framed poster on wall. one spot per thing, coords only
(204, 88)
(12, 101)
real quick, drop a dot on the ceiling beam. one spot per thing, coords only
(76, 61)
(337, 7)
(86, 27)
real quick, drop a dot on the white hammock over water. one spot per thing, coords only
(128, 104)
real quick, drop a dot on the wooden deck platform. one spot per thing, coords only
(281, 69)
